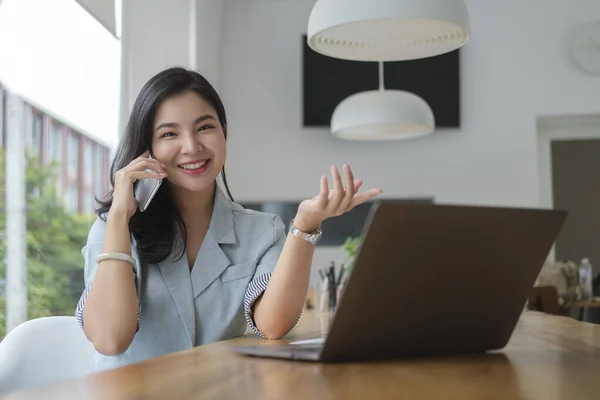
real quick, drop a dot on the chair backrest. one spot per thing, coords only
(545, 299)
(43, 351)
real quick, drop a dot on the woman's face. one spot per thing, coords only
(188, 138)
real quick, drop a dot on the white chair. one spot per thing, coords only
(43, 351)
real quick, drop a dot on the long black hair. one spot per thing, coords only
(156, 228)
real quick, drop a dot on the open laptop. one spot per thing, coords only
(433, 280)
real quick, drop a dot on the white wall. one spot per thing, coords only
(515, 67)
(154, 37)
(209, 29)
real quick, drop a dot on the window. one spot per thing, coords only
(35, 133)
(72, 199)
(90, 202)
(73, 155)
(67, 86)
(99, 171)
(55, 146)
(88, 161)
(2, 123)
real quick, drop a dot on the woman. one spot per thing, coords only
(204, 268)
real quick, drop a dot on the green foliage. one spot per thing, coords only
(54, 241)
(350, 246)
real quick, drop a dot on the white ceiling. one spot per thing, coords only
(103, 11)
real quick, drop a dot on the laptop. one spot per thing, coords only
(432, 280)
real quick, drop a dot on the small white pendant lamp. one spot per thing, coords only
(387, 30)
(380, 115)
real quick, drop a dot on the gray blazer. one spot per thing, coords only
(179, 309)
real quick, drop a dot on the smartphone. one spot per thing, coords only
(144, 190)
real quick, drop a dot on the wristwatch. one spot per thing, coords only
(311, 237)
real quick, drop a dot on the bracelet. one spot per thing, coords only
(311, 237)
(115, 256)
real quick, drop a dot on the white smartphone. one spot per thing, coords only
(144, 190)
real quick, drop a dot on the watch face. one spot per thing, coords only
(586, 47)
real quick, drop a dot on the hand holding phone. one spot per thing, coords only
(136, 184)
(144, 191)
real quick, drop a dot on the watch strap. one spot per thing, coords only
(311, 237)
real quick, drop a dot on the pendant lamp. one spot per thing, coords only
(387, 30)
(380, 115)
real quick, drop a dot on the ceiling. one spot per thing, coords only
(103, 11)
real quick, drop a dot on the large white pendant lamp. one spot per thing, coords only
(387, 30)
(380, 115)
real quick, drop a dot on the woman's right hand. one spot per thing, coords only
(124, 202)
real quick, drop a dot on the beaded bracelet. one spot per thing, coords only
(115, 256)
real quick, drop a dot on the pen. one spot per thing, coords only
(331, 274)
(340, 276)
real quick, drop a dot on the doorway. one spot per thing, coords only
(569, 179)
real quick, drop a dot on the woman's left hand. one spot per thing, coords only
(332, 203)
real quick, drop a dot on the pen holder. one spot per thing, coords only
(327, 296)
(324, 308)
(327, 292)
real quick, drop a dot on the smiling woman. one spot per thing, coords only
(143, 298)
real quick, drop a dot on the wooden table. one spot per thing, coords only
(548, 357)
(582, 305)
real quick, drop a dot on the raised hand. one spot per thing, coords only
(332, 203)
